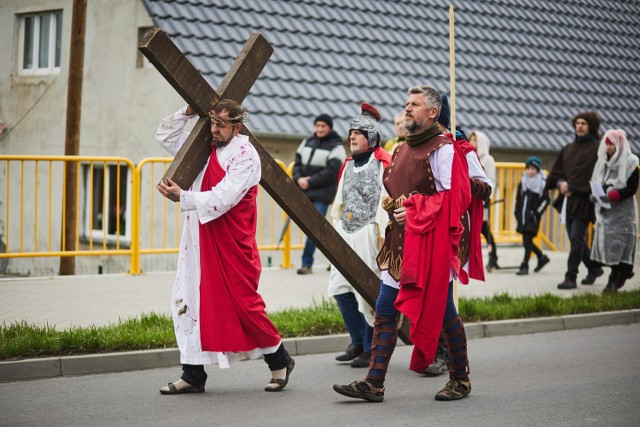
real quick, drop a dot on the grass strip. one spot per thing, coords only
(151, 331)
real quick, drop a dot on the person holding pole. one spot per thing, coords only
(419, 257)
(470, 250)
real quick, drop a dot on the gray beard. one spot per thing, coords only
(411, 128)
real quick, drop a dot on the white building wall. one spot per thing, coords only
(122, 105)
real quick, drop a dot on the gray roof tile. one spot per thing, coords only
(523, 67)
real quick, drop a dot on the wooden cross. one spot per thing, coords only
(193, 155)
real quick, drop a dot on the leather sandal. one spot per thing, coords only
(279, 382)
(172, 389)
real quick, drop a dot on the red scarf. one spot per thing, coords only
(232, 313)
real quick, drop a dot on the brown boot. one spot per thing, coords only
(361, 390)
(459, 385)
(372, 387)
(454, 390)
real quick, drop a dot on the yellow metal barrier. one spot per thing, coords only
(158, 214)
(100, 222)
(502, 220)
(31, 220)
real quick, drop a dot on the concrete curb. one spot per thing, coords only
(52, 367)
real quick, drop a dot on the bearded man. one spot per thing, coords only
(218, 315)
(429, 192)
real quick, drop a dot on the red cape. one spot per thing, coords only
(232, 313)
(379, 153)
(476, 216)
(432, 232)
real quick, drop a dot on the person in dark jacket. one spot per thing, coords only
(570, 175)
(531, 200)
(318, 162)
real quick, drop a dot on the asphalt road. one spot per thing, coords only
(570, 378)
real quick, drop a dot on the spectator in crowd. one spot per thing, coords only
(359, 218)
(614, 240)
(317, 163)
(570, 175)
(401, 133)
(481, 143)
(532, 198)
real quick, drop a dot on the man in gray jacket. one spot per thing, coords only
(318, 162)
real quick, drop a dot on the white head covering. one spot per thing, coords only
(486, 159)
(622, 160)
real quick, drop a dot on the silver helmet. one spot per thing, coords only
(367, 123)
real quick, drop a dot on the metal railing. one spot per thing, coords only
(32, 182)
(104, 195)
(502, 220)
(271, 233)
(120, 213)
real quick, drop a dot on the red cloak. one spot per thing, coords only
(432, 232)
(232, 313)
(476, 216)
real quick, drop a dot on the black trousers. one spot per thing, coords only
(486, 232)
(197, 377)
(579, 252)
(529, 246)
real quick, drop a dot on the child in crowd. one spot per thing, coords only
(531, 201)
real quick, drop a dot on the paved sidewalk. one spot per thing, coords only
(67, 301)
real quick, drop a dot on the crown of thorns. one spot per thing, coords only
(240, 118)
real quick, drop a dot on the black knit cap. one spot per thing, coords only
(324, 118)
(445, 112)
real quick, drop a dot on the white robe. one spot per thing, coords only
(364, 242)
(241, 163)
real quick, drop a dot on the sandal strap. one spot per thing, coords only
(172, 388)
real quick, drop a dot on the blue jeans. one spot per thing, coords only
(359, 330)
(385, 308)
(309, 246)
(388, 295)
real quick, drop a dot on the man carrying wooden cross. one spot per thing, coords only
(218, 315)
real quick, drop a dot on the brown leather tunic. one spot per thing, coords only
(408, 173)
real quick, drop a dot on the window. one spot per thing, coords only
(40, 40)
(106, 203)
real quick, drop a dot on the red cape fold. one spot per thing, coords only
(232, 313)
(432, 233)
(476, 216)
(379, 153)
